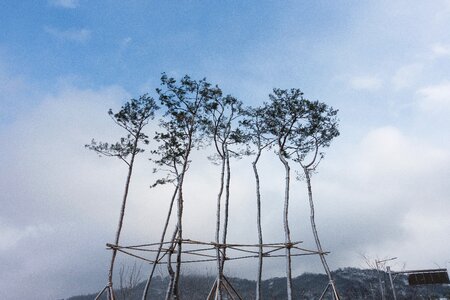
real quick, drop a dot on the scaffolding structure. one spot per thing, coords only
(195, 251)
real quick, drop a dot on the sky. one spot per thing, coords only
(382, 190)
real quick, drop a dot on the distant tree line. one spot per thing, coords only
(195, 114)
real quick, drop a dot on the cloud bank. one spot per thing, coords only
(61, 202)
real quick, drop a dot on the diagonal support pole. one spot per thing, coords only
(226, 286)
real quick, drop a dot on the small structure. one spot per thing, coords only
(421, 277)
(435, 276)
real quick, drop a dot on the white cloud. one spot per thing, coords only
(76, 35)
(370, 194)
(407, 75)
(401, 156)
(15, 92)
(439, 50)
(365, 83)
(65, 3)
(432, 227)
(48, 197)
(11, 236)
(435, 98)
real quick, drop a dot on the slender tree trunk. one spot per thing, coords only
(170, 287)
(119, 226)
(315, 233)
(287, 234)
(227, 204)
(218, 250)
(258, 222)
(149, 280)
(176, 291)
(111, 294)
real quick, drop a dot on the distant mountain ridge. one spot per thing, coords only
(352, 283)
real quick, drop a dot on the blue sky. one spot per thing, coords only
(381, 191)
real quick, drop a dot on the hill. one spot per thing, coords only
(352, 283)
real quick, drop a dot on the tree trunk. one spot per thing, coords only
(149, 280)
(170, 287)
(315, 233)
(287, 234)
(218, 249)
(119, 226)
(176, 291)
(258, 222)
(227, 202)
